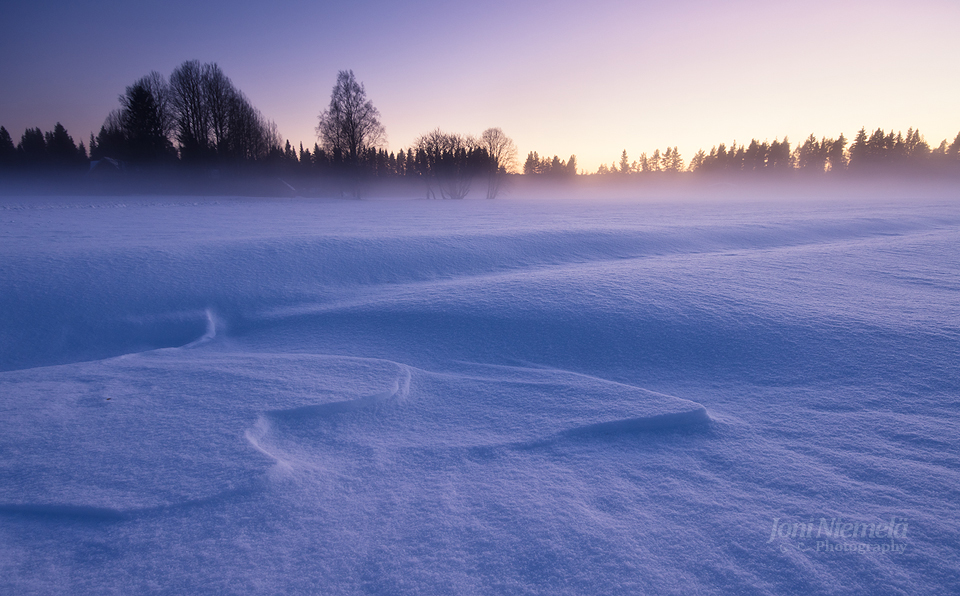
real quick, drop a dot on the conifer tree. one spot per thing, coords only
(953, 151)
(8, 152)
(32, 148)
(697, 162)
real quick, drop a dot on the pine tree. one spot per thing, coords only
(8, 152)
(836, 158)
(755, 157)
(644, 163)
(556, 166)
(676, 161)
(532, 163)
(698, 159)
(953, 151)
(624, 163)
(859, 150)
(32, 148)
(143, 125)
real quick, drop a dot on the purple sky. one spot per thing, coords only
(559, 77)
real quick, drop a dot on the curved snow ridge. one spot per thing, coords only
(693, 417)
(209, 334)
(472, 406)
(61, 511)
(516, 406)
(397, 394)
(282, 434)
(256, 435)
(86, 340)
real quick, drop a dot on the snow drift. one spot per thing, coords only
(483, 397)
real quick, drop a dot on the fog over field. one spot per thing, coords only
(704, 389)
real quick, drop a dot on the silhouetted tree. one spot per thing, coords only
(144, 123)
(672, 161)
(503, 156)
(350, 124)
(877, 146)
(916, 146)
(755, 156)
(251, 137)
(559, 168)
(643, 164)
(32, 149)
(188, 99)
(62, 152)
(219, 97)
(698, 159)
(812, 155)
(654, 163)
(859, 150)
(215, 120)
(304, 157)
(8, 151)
(111, 140)
(553, 167)
(450, 162)
(836, 158)
(500, 148)
(779, 158)
(953, 151)
(532, 164)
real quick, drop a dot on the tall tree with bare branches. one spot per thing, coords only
(503, 158)
(350, 125)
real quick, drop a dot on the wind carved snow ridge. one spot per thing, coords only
(472, 411)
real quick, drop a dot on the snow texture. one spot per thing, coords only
(242, 396)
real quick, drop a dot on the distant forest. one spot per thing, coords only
(197, 121)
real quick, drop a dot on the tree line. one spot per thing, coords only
(881, 150)
(198, 119)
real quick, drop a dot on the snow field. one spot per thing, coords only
(266, 397)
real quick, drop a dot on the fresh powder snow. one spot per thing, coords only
(265, 396)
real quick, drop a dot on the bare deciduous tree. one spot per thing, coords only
(220, 97)
(188, 99)
(251, 136)
(503, 156)
(500, 148)
(157, 85)
(214, 119)
(350, 125)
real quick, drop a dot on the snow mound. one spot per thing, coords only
(502, 407)
(110, 422)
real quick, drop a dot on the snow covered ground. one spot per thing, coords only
(241, 396)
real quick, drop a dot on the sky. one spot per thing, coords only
(563, 77)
